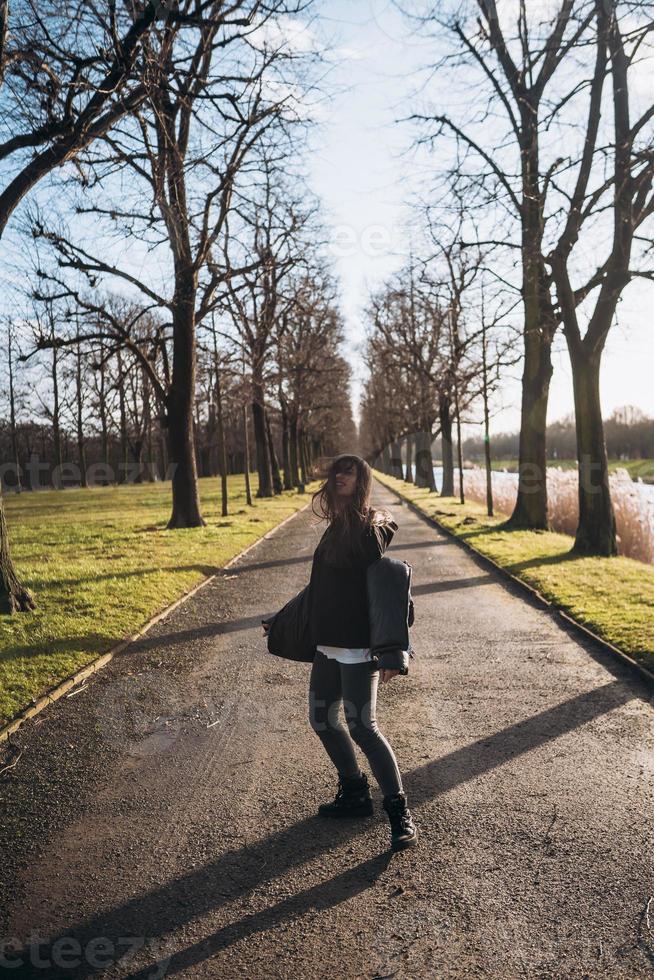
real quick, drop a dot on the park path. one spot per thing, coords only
(168, 810)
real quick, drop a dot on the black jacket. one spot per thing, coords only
(338, 600)
(390, 610)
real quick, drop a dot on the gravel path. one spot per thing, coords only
(161, 822)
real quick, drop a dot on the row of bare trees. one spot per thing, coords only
(175, 261)
(84, 409)
(439, 338)
(551, 150)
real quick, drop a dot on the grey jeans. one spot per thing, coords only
(354, 686)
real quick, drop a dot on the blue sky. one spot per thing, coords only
(362, 167)
(360, 170)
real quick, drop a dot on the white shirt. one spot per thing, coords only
(346, 655)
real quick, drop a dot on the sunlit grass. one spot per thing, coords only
(612, 596)
(101, 563)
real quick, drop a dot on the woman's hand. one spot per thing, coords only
(387, 675)
(266, 628)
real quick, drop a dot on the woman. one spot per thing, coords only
(343, 672)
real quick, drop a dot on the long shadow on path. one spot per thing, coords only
(161, 911)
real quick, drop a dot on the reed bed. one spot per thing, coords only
(633, 505)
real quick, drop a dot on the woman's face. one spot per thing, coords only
(346, 480)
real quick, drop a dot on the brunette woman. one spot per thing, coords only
(343, 671)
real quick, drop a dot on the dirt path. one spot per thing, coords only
(167, 812)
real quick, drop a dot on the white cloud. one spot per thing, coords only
(287, 32)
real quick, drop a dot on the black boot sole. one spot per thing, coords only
(402, 845)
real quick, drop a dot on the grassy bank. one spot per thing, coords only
(102, 563)
(612, 596)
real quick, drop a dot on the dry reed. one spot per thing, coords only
(633, 504)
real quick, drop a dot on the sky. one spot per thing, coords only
(362, 170)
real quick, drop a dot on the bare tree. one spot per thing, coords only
(12, 402)
(66, 77)
(614, 178)
(311, 377)
(207, 107)
(409, 323)
(18, 596)
(565, 179)
(276, 232)
(68, 73)
(517, 75)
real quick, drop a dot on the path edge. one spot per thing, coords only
(73, 680)
(523, 586)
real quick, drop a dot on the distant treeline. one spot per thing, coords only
(130, 457)
(629, 435)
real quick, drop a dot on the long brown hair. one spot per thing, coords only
(343, 538)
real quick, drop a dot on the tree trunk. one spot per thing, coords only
(56, 427)
(596, 533)
(212, 464)
(264, 470)
(294, 453)
(530, 510)
(424, 467)
(262, 446)
(147, 429)
(274, 465)
(12, 414)
(81, 448)
(487, 452)
(445, 420)
(459, 446)
(102, 408)
(222, 453)
(180, 401)
(246, 457)
(286, 446)
(409, 462)
(163, 451)
(396, 459)
(12, 592)
(304, 463)
(286, 436)
(123, 465)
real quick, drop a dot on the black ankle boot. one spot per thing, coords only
(403, 830)
(352, 799)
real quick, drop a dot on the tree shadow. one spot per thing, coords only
(451, 585)
(320, 897)
(562, 559)
(412, 545)
(93, 644)
(239, 567)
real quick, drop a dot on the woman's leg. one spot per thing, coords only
(359, 689)
(324, 706)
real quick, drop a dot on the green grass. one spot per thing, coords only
(643, 468)
(101, 563)
(612, 596)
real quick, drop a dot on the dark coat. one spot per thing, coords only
(338, 598)
(390, 611)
